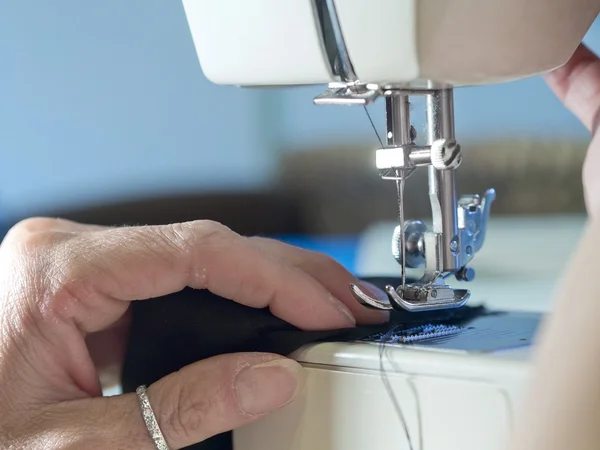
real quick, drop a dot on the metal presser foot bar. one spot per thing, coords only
(459, 225)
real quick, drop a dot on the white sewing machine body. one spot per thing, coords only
(457, 392)
(450, 398)
(399, 42)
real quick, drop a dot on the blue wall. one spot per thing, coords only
(106, 99)
(99, 99)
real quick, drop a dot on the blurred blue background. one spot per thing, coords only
(101, 100)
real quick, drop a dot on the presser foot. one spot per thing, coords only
(414, 298)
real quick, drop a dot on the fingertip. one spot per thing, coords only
(560, 78)
(311, 307)
(325, 302)
(266, 387)
(577, 85)
(360, 314)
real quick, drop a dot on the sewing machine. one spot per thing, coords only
(440, 388)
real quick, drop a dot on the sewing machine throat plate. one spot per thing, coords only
(491, 332)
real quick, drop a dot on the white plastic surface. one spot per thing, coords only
(449, 401)
(461, 414)
(258, 42)
(382, 38)
(458, 42)
(517, 268)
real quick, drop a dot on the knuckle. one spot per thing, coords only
(185, 413)
(199, 241)
(34, 233)
(188, 235)
(178, 236)
(209, 231)
(35, 224)
(56, 267)
(66, 299)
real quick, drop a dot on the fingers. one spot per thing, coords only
(107, 348)
(223, 393)
(330, 274)
(577, 85)
(192, 405)
(109, 268)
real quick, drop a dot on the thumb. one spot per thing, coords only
(201, 400)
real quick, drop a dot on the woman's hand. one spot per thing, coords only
(577, 85)
(65, 291)
(562, 408)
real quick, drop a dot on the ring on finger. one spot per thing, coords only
(150, 419)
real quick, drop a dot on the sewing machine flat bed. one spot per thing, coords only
(453, 392)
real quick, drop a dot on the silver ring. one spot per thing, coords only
(150, 419)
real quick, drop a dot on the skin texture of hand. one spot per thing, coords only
(562, 408)
(577, 85)
(65, 294)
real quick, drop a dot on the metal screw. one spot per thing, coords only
(433, 293)
(465, 274)
(454, 245)
(445, 154)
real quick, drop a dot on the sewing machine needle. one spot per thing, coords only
(400, 189)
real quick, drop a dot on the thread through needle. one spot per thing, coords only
(384, 378)
(400, 188)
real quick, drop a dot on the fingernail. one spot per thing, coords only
(269, 386)
(343, 309)
(374, 316)
(373, 291)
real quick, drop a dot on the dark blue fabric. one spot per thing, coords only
(177, 330)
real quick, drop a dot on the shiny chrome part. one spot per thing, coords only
(397, 116)
(414, 249)
(415, 298)
(473, 216)
(459, 225)
(442, 189)
(399, 134)
(427, 298)
(369, 301)
(403, 158)
(445, 154)
(348, 94)
(465, 274)
(349, 91)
